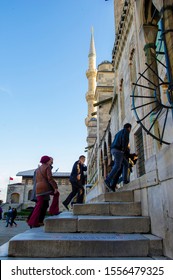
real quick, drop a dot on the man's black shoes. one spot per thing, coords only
(65, 205)
(107, 184)
(126, 182)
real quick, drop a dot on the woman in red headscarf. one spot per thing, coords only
(45, 186)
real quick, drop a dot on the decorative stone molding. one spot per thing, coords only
(91, 74)
(124, 26)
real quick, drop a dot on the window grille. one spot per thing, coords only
(140, 165)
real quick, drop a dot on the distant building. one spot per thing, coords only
(20, 193)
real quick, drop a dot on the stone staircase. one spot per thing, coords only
(112, 227)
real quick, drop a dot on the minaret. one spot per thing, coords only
(91, 120)
(91, 76)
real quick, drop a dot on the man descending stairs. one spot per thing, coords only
(112, 227)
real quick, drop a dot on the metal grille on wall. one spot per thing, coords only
(161, 97)
(140, 165)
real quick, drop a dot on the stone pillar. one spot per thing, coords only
(150, 34)
(167, 14)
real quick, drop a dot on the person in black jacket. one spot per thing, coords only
(14, 215)
(9, 216)
(118, 150)
(77, 180)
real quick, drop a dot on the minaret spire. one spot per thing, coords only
(92, 51)
(91, 76)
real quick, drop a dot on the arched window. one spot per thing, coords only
(132, 64)
(15, 198)
(29, 194)
(122, 101)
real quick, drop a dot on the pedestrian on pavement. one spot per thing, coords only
(118, 150)
(14, 215)
(77, 180)
(9, 216)
(45, 186)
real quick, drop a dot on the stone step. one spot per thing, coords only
(118, 196)
(35, 243)
(108, 208)
(67, 222)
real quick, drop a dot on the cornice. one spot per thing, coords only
(105, 72)
(107, 100)
(123, 30)
(104, 88)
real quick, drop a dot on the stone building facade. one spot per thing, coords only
(19, 194)
(136, 87)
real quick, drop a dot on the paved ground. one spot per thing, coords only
(6, 233)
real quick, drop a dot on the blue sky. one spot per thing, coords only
(43, 60)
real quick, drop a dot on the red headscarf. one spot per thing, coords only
(44, 159)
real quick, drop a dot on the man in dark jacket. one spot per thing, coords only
(118, 149)
(77, 179)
